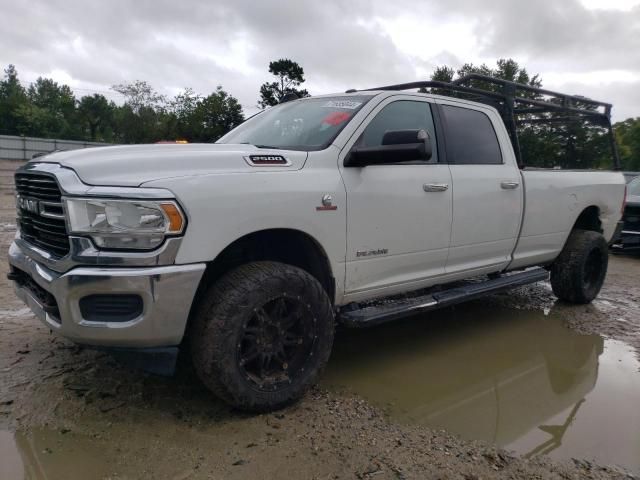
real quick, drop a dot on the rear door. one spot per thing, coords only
(487, 188)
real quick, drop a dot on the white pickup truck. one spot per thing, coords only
(308, 214)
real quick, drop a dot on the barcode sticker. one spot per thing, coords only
(348, 104)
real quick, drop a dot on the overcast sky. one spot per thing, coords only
(587, 47)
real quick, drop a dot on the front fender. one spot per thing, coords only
(225, 207)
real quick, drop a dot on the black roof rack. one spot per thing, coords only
(514, 99)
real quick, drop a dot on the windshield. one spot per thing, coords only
(634, 187)
(306, 124)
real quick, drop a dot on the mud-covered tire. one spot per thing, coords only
(578, 273)
(234, 319)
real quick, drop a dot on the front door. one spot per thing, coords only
(398, 215)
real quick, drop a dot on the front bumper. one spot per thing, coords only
(628, 241)
(625, 238)
(167, 293)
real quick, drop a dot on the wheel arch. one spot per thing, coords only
(291, 246)
(589, 219)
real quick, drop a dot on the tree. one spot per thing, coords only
(546, 139)
(181, 122)
(206, 119)
(219, 113)
(628, 137)
(289, 75)
(140, 94)
(142, 125)
(505, 69)
(443, 74)
(13, 97)
(96, 114)
(50, 111)
(144, 117)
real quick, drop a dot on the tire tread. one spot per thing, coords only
(567, 270)
(212, 329)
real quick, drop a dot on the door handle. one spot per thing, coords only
(435, 187)
(509, 185)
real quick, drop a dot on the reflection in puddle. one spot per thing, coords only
(518, 379)
(10, 463)
(44, 454)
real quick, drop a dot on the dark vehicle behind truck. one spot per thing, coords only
(629, 239)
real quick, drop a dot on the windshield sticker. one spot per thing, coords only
(348, 104)
(336, 118)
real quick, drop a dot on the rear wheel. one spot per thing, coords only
(262, 335)
(578, 273)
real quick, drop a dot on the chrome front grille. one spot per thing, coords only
(40, 212)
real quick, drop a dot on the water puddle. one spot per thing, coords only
(515, 378)
(11, 467)
(518, 379)
(44, 454)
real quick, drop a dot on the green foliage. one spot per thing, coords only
(443, 74)
(505, 69)
(198, 119)
(139, 95)
(289, 75)
(47, 109)
(13, 98)
(217, 114)
(96, 117)
(49, 112)
(628, 137)
(547, 140)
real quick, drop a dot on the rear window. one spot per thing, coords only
(306, 124)
(470, 137)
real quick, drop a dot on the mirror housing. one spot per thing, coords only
(397, 146)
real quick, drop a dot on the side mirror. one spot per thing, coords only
(397, 146)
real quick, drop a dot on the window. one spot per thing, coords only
(400, 115)
(306, 124)
(470, 137)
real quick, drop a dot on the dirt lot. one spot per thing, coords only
(67, 412)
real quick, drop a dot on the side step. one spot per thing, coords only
(388, 310)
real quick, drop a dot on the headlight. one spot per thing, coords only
(124, 224)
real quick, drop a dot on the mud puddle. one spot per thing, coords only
(49, 454)
(517, 379)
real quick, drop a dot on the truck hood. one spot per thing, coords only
(132, 165)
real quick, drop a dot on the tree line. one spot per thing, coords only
(48, 109)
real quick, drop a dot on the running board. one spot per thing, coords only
(388, 310)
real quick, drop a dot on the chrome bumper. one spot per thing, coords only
(167, 293)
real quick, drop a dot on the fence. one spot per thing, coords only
(23, 148)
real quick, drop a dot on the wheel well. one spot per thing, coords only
(589, 219)
(282, 245)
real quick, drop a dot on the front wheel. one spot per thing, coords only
(578, 273)
(262, 334)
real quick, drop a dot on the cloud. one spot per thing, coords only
(341, 44)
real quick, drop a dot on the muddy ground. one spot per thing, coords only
(68, 413)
